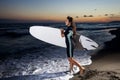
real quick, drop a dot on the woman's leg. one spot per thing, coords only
(77, 64)
(71, 64)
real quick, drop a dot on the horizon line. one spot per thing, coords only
(48, 21)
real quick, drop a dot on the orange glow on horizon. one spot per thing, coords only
(62, 18)
(82, 19)
(93, 19)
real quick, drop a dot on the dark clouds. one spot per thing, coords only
(88, 16)
(112, 15)
(106, 14)
(77, 17)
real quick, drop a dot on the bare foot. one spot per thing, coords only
(82, 70)
(71, 70)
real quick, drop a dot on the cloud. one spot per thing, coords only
(88, 16)
(85, 16)
(115, 16)
(106, 14)
(77, 17)
(112, 15)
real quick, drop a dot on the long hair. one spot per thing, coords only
(70, 19)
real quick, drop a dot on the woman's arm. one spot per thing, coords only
(62, 32)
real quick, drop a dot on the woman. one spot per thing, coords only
(68, 34)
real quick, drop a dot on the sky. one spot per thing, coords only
(57, 10)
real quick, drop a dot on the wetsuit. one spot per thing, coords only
(69, 42)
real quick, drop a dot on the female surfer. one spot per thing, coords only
(68, 34)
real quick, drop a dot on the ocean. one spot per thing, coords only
(21, 54)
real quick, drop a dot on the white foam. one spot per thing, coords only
(50, 66)
(55, 68)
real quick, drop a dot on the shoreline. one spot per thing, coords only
(105, 62)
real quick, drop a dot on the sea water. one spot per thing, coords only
(22, 54)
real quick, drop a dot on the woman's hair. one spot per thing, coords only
(70, 19)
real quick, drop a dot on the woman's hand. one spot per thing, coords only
(62, 32)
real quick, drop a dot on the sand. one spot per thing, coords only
(106, 67)
(105, 62)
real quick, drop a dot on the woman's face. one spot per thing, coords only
(67, 23)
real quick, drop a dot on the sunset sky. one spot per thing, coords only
(57, 10)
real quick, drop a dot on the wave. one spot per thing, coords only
(14, 33)
(97, 28)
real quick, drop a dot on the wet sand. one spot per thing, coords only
(106, 62)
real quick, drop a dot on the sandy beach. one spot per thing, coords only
(106, 62)
(104, 68)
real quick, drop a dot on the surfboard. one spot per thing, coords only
(53, 36)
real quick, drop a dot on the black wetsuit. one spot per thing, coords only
(69, 42)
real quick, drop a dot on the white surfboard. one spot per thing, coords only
(53, 36)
